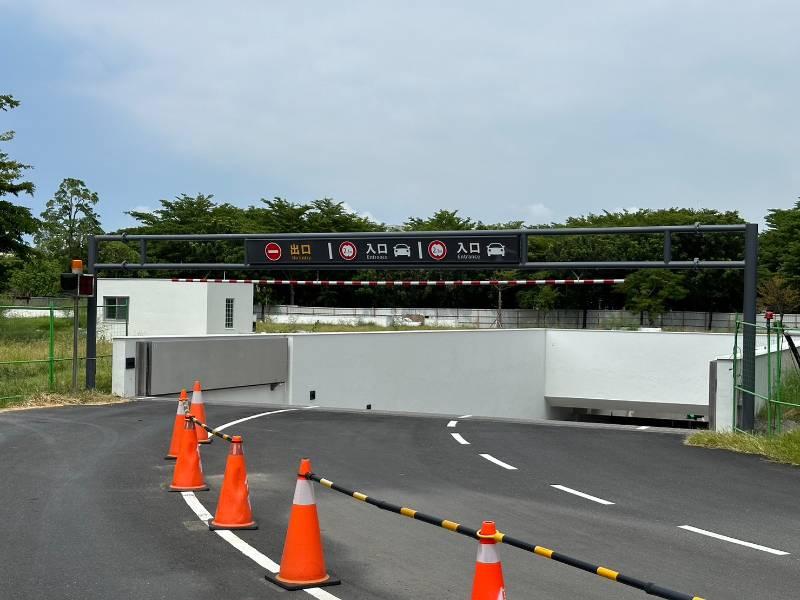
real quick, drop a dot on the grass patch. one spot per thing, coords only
(269, 327)
(46, 399)
(24, 348)
(782, 448)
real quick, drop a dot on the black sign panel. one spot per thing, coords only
(418, 250)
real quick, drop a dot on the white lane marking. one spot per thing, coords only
(643, 427)
(491, 458)
(237, 421)
(452, 423)
(234, 540)
(564, 488)
(464, 416)
(733, 540)
(457, 437)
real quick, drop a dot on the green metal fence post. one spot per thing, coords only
(770, 416)
(778, 378)
(735, 411)
(51, 374)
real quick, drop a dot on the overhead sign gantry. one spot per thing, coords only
(444, 250)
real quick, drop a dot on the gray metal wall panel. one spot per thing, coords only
(217, 363)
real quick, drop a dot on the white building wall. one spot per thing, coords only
(164, 307)
(242, 294)
(488, 373)
(158, 306)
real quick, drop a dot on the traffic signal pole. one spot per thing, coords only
(91, 319)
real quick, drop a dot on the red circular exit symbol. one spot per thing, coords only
(347, 250)
(273, 251)
(437, 250)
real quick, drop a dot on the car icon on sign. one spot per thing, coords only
(495, 249)
(402, 250)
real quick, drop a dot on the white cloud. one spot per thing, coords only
(538, 214)
(403, 108)
(360, 213)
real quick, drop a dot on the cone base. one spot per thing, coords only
(298, 585)
(206, 441)
(215, 526)
(170, 457)
(196, 488)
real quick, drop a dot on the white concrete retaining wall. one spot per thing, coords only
(490, 373)
(635, 369)
(333, 320)
(522, 373)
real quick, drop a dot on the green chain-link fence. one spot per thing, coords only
(777, 383)
(36, 348)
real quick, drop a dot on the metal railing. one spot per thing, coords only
(772, 385)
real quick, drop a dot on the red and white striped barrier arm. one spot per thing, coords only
(407, 283)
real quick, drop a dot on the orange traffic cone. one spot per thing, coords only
(233, 509)
(177, 428)
(302, 563)
(198, 410)
(188, 475)
(488, 583)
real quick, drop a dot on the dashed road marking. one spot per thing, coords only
(464, 416)
(452, 423)
(564, 488)
(500, 463)
(457, 437)
(725, 538)
(643, 427)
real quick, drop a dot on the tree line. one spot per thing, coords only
(35, 250)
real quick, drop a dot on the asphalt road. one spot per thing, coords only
(87, 515)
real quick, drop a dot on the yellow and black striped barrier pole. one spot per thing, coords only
(210, 430)
(501, 538)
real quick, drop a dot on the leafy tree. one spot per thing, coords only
(777, 295)
(779, 245)
(279, 216)
(15, 221)
(192, 214)
(68, 220)
(328, 215)
(8, 264)
(442, 220)
(541, 298)
(118, 252)
(649, 291)
(39, 276)
(709, 290)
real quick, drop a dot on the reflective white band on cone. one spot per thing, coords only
(303, 493)
(197, 397)
(487, 554)
(180, 408)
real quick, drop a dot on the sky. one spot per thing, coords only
(508, 110)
